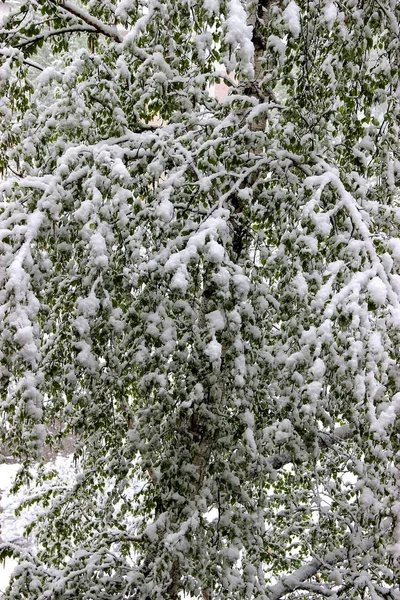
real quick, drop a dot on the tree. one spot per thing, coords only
(205, 294)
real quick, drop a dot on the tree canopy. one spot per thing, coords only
(205, 294)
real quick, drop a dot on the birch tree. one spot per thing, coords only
(205, 294)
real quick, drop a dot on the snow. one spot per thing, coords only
(278, 45)
(6, 570)
(4, 10)
(84, 211)
(249, 438)
(211, 6)
(85, 356)
(5, 72)
(140, 25)
(215, 320)
(111, 32)
(165, 210)
(48, 75)
(99, 249)
(322, 222)
(300, 285)
(179, 281)
(330, 14)
(239, 37)
(240, 365)
(151, 532)
(318, 369)
(283, 340)
(396, 318)
(291, 16)
(377, 291)
(394, 245)
(173, 263)
(242, 285)
(16, 273)
(11, 526)
(213, 350)
(375, 345)
(387, 416)
(88, 306)
(248, 418)
(24, 335)
(215, 252)
(314, 390)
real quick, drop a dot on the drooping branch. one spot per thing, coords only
(54, 32)
(299, 578)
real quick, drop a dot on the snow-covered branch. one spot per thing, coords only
(83, 15)
(55, 32)
(294, 581)
(199, 297)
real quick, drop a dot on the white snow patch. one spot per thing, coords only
(396, 317)
(48, 75)
(248, 418)
(89, 306)
(300, 285)
(211, 6)
(394, 245)
(314, 390)
(242, 285)
(85, 356)
(330, 14)
(99, 249)
(165, 210)
(239, 37)
(387, 416)
(84, 211)
(216, 320)
(318, 369)
(213, 350)
(215, 252)
(322, 223)
(291, 15)
(367, 497)
(249, 437)
(375, 345)
(377, 291)
(179, 281)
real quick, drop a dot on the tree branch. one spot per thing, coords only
(298, 579)
(99, 26)
(53, 32)
(293, 581)
(34, 65)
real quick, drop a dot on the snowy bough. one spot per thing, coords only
(205, 294)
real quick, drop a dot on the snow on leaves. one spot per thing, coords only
(205, 294)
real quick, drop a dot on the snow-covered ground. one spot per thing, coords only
(11, 526)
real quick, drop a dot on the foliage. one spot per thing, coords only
(205, 294)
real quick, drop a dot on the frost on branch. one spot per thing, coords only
(206, 295)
